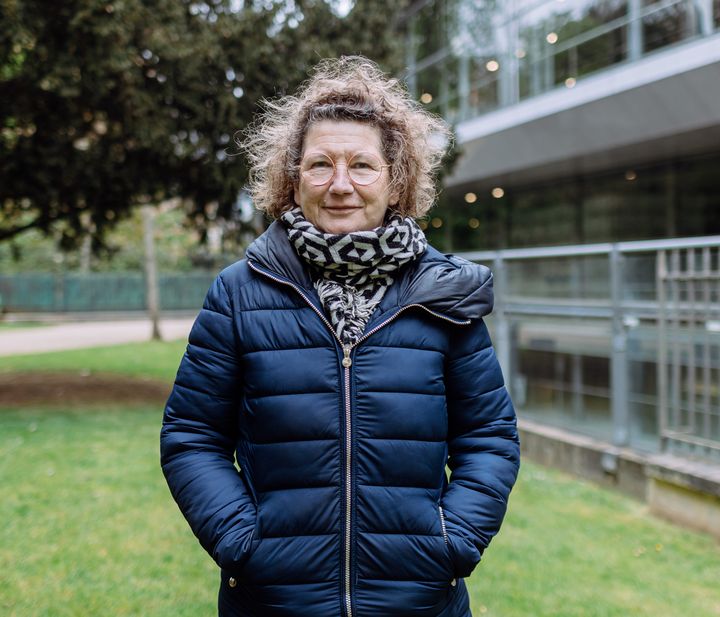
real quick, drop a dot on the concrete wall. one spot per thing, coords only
(680, 490)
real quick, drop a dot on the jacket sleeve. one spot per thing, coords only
(198, 436)
(483, 446)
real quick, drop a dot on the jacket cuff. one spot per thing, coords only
(463, 553)
(234, 548)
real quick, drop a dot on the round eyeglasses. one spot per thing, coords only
(363, 168)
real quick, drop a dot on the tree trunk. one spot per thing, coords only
(151, 279)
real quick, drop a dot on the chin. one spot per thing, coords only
(343, 228)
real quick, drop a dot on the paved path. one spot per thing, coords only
(86, 334)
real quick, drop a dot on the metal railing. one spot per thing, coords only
(40, 292)
(631, 331)
(537, 47)
(620, 340)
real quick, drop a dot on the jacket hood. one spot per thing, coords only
(450, 285)
(444, 284)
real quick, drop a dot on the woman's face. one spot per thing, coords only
(341, 205)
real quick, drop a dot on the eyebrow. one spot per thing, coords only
(348, 155)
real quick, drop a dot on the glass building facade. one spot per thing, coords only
(676, 198)
(467, 59)
(588, 179)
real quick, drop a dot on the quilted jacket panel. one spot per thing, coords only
(339, 502)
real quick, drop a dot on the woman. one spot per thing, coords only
(343, 363)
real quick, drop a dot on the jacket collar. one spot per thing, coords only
(444, 284)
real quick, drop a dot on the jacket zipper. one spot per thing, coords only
(347, 364)
(453, 582)
(442, 524)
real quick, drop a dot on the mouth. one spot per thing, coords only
(342, 208)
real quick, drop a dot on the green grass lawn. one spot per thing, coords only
(8, 325)
(89, 527)
(158, 360)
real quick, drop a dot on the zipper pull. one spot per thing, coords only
(346, 361)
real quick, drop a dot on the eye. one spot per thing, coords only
(319, 164)
(365, 163)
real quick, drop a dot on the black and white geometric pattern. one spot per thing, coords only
(354, 269)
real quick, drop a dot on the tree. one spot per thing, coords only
(105, 105)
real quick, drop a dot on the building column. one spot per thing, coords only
(635, 33)
(618, 359)
(464, 86)
(704, 9)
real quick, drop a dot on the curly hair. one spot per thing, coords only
(350, 88)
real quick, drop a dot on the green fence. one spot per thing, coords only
(40, 292)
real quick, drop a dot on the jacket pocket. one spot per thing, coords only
(464, 556)
(446, 539)
(238, 574)
(442, 525)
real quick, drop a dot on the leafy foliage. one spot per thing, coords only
(108, 104)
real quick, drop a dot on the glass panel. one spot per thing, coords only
(669, 25)
(678, 199)
(437, 88)
(577, 277)
(449, 96)
(429, 87)
(587, 57)
(639, 283)
(483, 86)
(698, 197)
(476, 226)
(563, 374)
(534, 46)
(580, 55)
(541, 218)
(642, 349)
(428, 29)
(617, 205)
(559, 40)
(535, 53)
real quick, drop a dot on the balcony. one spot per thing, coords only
(543, 89)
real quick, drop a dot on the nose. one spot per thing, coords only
(341, 180)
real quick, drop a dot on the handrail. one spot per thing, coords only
(634, 20)
(603, 248)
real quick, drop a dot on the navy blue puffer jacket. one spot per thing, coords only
(342, 506)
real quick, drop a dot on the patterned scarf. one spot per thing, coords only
(354, 270)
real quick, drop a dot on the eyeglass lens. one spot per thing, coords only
(363, 168)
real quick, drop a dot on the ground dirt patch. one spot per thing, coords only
(31, 388)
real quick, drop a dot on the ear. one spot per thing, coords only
(296, 193)
(394, 197)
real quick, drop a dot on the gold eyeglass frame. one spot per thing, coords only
(304, 173)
